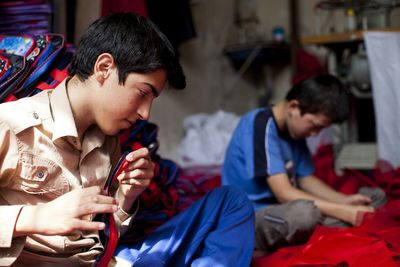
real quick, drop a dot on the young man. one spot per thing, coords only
(268, 158)
(58, 148)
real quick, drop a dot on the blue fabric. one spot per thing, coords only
(217, 230)
(258, 150)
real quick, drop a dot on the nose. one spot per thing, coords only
(314, 133)
(144, 110)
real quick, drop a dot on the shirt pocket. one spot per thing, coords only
(39, 175)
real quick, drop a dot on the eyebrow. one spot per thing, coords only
(153, 89)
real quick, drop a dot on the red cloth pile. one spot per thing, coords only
(375, 243)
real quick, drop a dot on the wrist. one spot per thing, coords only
(124, 203)
(25, 221)
(123, 214)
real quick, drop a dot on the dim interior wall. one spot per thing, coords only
(212, 82)
(86, 12)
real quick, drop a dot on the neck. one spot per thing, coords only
(79, 97)
(279, 110)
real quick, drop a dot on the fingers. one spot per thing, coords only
(358, 199)
(370, 209)
(141, 167)
(94, 208)
(136, 182)
(85, 225)
(92, 201)
(367, 200)
(100, 199)
(141, 163)
(137, 154)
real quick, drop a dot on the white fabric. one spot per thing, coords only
(383, 50)
(325, 137)
(206, 139)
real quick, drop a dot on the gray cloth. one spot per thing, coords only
(293, 223)
(281, 225)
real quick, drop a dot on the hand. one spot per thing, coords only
(357, 199)
(356, 213)
(66, 213)
(137, 176)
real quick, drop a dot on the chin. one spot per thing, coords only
(297, 136)
(111, 131)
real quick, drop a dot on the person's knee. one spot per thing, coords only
(303, 214)
(286, 224)
(303, 219)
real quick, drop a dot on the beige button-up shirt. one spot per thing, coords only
(41, 158)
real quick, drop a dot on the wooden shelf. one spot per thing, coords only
(258, 54)
(341, 37)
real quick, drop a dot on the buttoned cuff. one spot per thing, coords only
(123, 218)
(9, 255)
(10, 248)
(8, 219)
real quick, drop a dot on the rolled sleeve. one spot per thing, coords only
(124, 219)
(10, 248)
(7, 224)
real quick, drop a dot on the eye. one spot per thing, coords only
(143, 93)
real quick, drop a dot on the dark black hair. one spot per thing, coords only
(135, 43)
(321, 94)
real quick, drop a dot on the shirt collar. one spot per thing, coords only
(64, 124)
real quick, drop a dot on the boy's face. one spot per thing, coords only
(306, 125)
(121, 105)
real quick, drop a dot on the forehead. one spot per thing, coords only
(155, 79)
(318, 119)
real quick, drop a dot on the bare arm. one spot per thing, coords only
(285, 192)
(317, 187)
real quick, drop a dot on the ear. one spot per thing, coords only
(103, 67)
(293, 106)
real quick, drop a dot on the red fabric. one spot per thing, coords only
(307, 65)
(137, 6)
(351, 180)
(9, 98)
(192, 185)
(112, 233)
(376, 242)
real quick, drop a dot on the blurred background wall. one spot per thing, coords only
(212, 82)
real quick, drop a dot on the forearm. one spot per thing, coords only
(316, 187)
(327, 208)
(25, 224)
(125, 203)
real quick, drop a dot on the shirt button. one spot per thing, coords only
(35, 115)
(40, 174)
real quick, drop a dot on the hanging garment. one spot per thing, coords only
(383, 49)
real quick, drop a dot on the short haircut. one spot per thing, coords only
(321, 94)
(135, 43)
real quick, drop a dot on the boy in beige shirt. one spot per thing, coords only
(58, 147)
